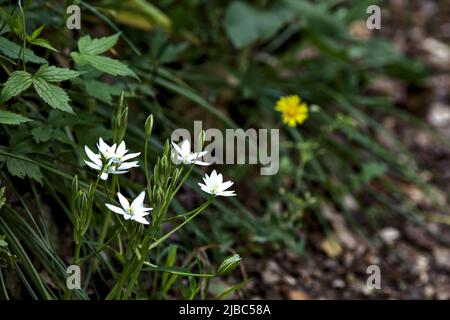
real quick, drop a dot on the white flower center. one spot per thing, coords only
(215, 188)
(115, 159)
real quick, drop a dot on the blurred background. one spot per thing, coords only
(363, 181)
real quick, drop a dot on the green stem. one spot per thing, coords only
(24, 35)
(103, 246)
(133, 269)
(171, 232)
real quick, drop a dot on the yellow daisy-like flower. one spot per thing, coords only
(294, 110)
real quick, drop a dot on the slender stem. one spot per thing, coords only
(103, 246)
(76, 256)
(147, 174)
(171, 232)
(132, 270)
(24, 35)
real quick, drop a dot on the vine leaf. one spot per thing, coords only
(89, 54)
(18, 82)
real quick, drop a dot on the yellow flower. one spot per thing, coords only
(294, 110)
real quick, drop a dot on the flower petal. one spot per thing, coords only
(128, 165)
(92, 156)
(123, 201)
(104, 176)
(102, 146)
(185, 147)
(140, 220)
(177, 148)
(226, 194)
(115, 209)
(224, 186)
(121, 149)
(130, 156)
(93, 165)
(138, 202)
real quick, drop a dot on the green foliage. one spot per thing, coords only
(11, 118)
(18, 82)
(41, 42)
(245, 24)
(56, 97)
(89, 50)
(51, 94)
(227, 65)
(12, 50)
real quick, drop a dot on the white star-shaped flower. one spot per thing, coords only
(182, 154)
(136, 211)
(214, 185)
(110, 159)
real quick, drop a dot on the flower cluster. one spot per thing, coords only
(110, 159)
(115, 160)
(214, 183)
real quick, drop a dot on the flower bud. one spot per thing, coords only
(149, 126)
(229, 264)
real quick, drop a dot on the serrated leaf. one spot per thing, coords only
(54, 74)
(44, 43)
(36, 33)
(89, 46)
(53, 95)
(79, 58)
(23, 169)
(18, 82)
(42, 133)
(12, 50)
(11, 118)
(111, 66)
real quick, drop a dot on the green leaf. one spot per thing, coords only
(18, 82)
(11, 118)
(89, 55)
(42, 133)
(111, 66)
(101, 90)
(245, 24)
(12, 50)
(44, 43)
(105, 64)
(54, 74)
(23, 169)
(319, 19)
(89, 46)
(36, 33)
(53, 95)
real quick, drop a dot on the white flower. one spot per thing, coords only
(182, 154)
(111, 159)
(136, 211)
(214, 185)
